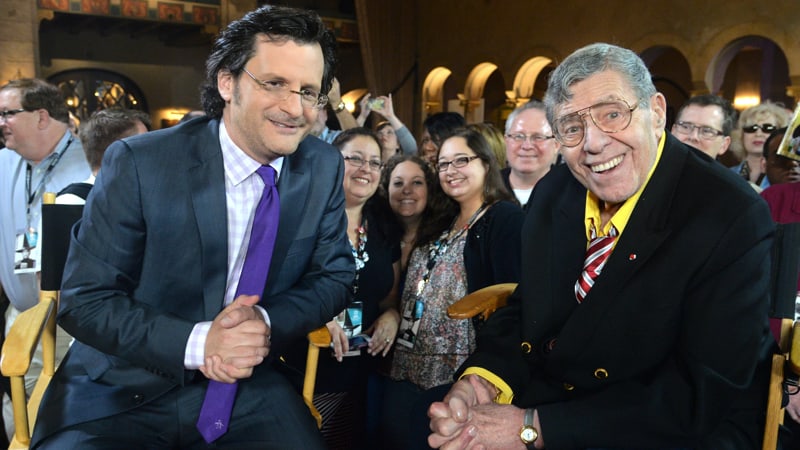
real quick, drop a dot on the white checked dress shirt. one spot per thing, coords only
(243, 190)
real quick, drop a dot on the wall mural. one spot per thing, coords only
(201, 12)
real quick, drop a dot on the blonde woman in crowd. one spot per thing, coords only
(747, 140)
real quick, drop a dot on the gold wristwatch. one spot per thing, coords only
(528, 433)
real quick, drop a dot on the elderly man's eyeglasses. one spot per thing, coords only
(279, 91)
(609, 117)
(705, 132)
(356, 161)
(765, 127)
(5, 115)
(458, 163)
(534, 139)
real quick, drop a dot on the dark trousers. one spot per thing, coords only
(268, 414)
(404, 423)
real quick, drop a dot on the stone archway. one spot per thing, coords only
(525, 80)
(473, 100)
(433, 91)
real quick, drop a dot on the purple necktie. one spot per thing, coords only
(218, 404)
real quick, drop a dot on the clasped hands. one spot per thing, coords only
(237, 341)
(468, 418)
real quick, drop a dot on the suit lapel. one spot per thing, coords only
(209, 203)
(647, 228)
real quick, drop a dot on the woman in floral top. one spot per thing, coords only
(480, 248)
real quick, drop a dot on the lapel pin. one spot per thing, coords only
(632, 257)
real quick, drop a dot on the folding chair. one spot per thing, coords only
(481, 303)
(39, 322)
(317, 339)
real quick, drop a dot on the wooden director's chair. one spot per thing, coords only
(38, 324)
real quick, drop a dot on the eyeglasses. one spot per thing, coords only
(705, 132)
(458, 163)
(765, 127)
(534, 139)
(278, 90)
(5, 115)
(356, 161)
(609, 117)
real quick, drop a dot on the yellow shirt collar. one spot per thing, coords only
(621, 217)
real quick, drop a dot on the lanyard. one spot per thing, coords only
(440, 246)
(28, 175)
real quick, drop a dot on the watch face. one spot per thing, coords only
(528, 435)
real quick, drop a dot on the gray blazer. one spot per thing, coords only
(149, 260)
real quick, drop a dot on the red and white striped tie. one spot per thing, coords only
(596, 257)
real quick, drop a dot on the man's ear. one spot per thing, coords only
(658, 106)
(42, 118)
(726, 143)
(225, 81)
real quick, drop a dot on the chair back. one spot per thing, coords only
(57, 223)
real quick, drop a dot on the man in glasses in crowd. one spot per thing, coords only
(531, 149)
(705, 122)
(661, 339)
(151, 287)
(42, 156)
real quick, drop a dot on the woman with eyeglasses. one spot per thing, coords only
(478, 249)
(364, 332)
(747, 141)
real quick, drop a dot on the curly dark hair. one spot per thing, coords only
(236, 45)
(440, 210)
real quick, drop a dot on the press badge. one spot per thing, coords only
(26, 254)
(409, 324)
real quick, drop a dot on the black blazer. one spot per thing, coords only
(664, 349)
(492, 252)
(149, 260)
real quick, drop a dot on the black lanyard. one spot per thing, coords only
(29, 170)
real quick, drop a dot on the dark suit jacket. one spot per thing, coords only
(149, 260)
(664, 349)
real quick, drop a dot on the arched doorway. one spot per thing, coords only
(88, 90)
(750, 70)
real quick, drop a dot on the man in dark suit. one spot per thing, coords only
(669, 346)
(160, 248)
